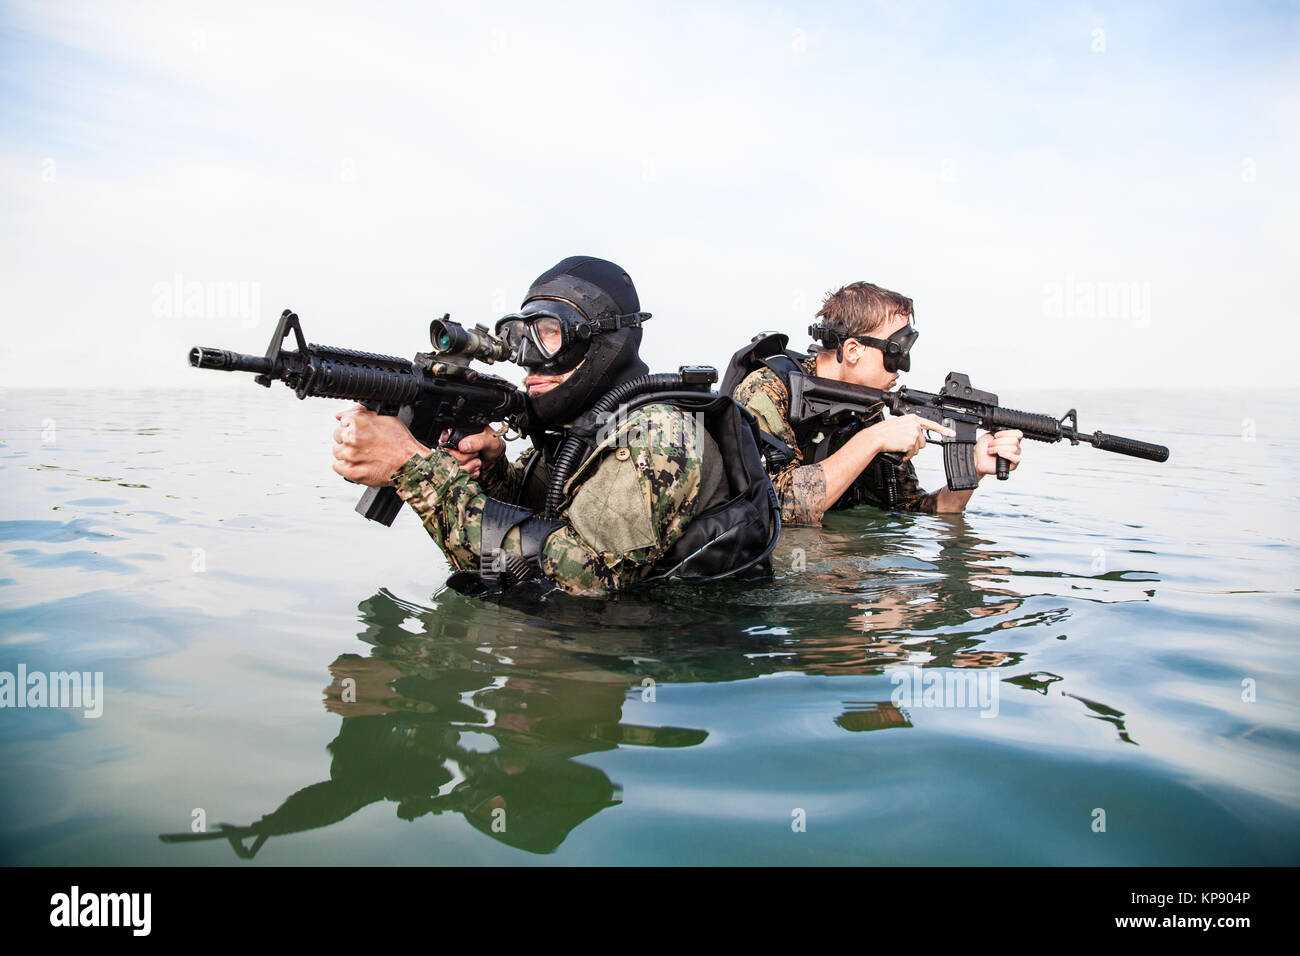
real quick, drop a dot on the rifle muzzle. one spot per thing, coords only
(226, 361)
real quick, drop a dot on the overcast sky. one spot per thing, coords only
(1073, 194)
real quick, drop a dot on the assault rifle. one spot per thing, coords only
(960, 407)
(436, 391)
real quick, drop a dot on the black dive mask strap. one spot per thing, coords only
(895, 348)
(628, 320)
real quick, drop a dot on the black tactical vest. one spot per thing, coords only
(816, 440)
(737, 517)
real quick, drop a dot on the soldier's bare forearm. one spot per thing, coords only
(951, 502)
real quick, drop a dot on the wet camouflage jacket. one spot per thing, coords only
(625, 505)
(802, 487)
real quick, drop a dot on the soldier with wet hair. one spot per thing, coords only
(866, 332)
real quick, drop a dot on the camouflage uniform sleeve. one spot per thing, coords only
(504, 480)
(449, 503)
(801, 488)
(628, 505)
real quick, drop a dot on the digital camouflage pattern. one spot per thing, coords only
(802, 488)
(504, 480)
(663, 459)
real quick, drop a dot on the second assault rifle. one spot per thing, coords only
(436, 391)
(960, 407)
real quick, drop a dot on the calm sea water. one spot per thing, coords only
(1096, 664)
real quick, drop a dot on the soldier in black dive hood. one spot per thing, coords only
(631, 477)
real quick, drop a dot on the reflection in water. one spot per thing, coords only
(485, 711)
(869, 715)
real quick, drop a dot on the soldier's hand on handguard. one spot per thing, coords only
(475, 451)
(369, 447)
(906, 434)
(990, 447)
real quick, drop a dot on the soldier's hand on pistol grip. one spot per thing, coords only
(475, 451)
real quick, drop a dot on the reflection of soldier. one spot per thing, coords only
(530, 805)
(403, 720)
(929, 610)
(399, 745)
(548, 690)
(866, 715)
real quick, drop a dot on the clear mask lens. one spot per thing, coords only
(548, 334)
(536, 337)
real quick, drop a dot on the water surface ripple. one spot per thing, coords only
(1097, 639)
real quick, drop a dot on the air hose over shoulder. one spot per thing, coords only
(581, 433)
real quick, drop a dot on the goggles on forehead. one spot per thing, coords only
(894, 349)
(553, 336)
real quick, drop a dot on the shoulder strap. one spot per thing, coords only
(750, 359)
(497, 567)
(788, 364)
(784, 366)
(498, 518)
(736, 534)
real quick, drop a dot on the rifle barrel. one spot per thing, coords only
(224, 360)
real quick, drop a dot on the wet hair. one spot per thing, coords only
(860, 308)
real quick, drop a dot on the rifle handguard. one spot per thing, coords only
(1038, 427)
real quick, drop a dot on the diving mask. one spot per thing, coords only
(551, 336)
(894, 349)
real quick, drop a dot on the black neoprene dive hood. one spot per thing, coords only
(602, 292)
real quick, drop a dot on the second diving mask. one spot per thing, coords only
(894, 349)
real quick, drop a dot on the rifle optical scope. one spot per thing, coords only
(452, 338)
